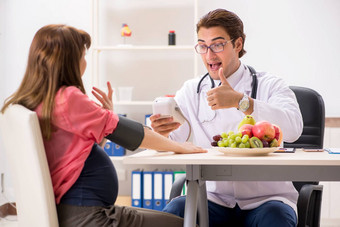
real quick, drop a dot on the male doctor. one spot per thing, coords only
(216, 103)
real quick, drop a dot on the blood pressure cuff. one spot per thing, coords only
(128, 134)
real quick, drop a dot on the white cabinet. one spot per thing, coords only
(144, 60)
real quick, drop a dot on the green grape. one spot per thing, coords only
(224, 135)
(225, 142)
(241, 145)
(230, 141)
(233, 145)
(239, 134)
(230, 133)
(245, 138)
(220, 143)
(238, 139)
(233, 136)
(247, 144)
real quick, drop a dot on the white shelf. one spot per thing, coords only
(139, 47)
(98, 49)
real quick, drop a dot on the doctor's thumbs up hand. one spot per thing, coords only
(223, 96)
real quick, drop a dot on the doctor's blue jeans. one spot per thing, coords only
(271, 213)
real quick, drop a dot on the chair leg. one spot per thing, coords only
(317, 212)
(309, 205)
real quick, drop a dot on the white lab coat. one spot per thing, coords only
(275, 102)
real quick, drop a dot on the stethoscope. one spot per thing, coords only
(206, 114)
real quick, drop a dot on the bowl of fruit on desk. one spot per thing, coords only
(252, 138)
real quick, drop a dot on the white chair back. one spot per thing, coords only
(29, 170)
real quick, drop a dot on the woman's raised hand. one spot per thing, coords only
(105, 100)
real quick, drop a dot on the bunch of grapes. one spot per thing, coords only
(231, 139)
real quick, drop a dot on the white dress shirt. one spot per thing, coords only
(275, 103)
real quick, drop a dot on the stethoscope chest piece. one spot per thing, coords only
(205, 113)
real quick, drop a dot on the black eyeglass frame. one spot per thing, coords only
(211, 47)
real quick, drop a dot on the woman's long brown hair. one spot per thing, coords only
(53, 62)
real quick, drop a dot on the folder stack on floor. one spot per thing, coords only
(151, 189)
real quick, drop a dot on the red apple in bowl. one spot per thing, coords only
(264, 130)
(246, 129)
(278, 133)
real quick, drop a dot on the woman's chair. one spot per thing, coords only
(29, 170)
(310, 193)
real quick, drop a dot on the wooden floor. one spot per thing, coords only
(123, 201)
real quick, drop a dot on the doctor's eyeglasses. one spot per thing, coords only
(216, 48)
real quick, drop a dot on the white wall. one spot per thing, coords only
(2, 93)
(3, 16)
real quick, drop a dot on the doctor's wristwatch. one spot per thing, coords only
(243, 105)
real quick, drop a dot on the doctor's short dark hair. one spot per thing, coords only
(227, 20)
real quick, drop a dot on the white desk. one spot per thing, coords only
(298, 166)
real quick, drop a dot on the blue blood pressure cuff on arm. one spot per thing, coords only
(128, 134)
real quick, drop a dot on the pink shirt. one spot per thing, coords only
(78, 123)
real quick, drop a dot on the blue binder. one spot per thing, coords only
(147, 189)
(108, 148)
(118, 150)
(136, 188)
(113, 149)
(158, 187)
(168, 178)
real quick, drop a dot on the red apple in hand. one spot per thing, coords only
(246, 129)
(264, 130)
(278, 133)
